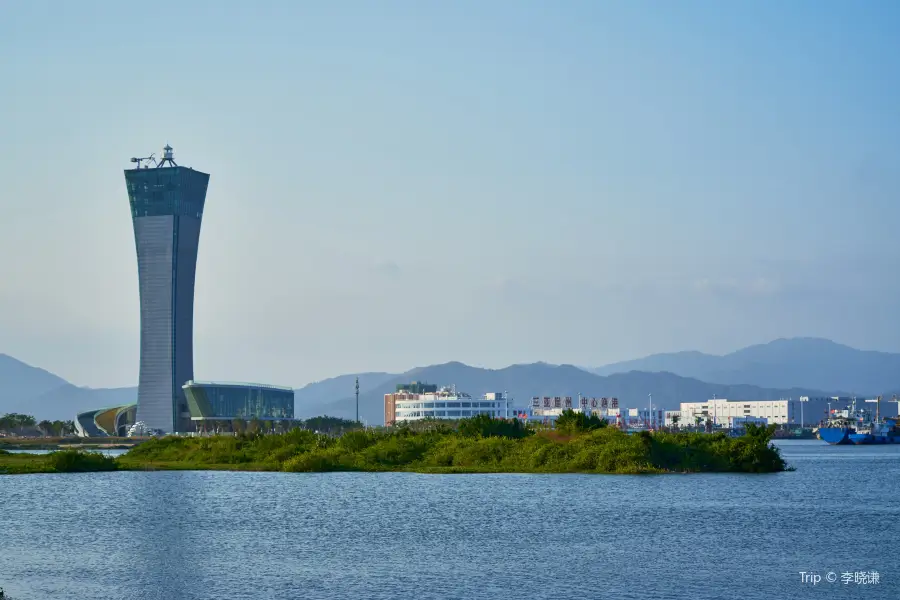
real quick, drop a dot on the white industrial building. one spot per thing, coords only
(808, 411)
(722, 412)
(730, 413)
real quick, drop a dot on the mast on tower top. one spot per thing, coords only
(168, 153)
(146, 161)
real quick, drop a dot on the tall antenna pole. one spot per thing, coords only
(357, 399)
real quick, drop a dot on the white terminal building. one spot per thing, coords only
(417, 401)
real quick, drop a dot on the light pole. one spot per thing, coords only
(650, 411)
(357, 399)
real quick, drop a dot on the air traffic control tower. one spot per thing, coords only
(166, 210)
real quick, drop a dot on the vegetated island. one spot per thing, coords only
(578, 444)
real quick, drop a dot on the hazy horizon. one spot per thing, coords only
(414, 183)
(401, 370)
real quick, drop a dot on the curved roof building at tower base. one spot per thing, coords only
(106, 422)
(227, 401)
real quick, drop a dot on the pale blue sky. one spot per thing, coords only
(395, 184)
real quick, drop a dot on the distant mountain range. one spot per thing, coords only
(321, 393)
(781, 369)
(804, 362)
(30, 390)
(18, 380)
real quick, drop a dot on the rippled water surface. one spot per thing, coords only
(212, 535)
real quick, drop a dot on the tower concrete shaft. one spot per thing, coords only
(166, 211)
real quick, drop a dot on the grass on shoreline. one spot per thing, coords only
(60, 443)
(63, 461)
(477, 447)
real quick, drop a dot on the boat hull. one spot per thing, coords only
(836, 436)
(868, 438)
(861, 439)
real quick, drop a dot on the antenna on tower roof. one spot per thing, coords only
(146, 161)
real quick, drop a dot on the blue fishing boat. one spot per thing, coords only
(851, 426)
(840, 426)
(884, 432)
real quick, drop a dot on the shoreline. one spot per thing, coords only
(160, 467)
(54, 447)
(65, 443)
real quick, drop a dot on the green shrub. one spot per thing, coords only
(356, 441)
(486, 426)
(570, 421)
(77, 461)
(318, 461)
(397, 451)
(485, 452)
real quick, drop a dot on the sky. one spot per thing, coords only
(401, 183)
